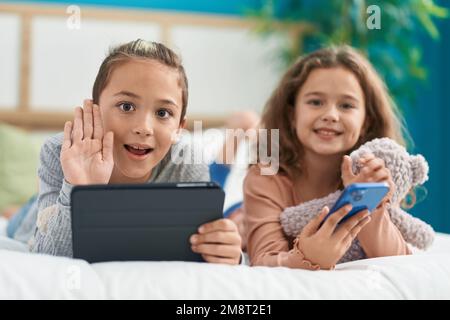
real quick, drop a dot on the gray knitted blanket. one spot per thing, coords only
(407, 171)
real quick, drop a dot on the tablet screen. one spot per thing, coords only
(151, 222)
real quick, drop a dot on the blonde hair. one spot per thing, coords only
(140, 49)
(382, 116)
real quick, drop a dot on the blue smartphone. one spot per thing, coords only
(361, 196)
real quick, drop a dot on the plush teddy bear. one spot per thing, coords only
(407, 171)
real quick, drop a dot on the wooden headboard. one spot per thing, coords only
(46, 118)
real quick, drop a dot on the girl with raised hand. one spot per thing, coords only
(125, 135)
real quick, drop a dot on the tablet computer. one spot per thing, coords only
(149, 222)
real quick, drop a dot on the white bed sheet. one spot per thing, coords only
(420, 276)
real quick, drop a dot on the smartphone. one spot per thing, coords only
(361, 196)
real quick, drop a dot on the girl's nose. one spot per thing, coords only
(144, 131)
(144, 128)
(331, 114)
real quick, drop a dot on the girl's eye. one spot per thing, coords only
(347, 106)
(126, 107)
(163, 113)
(315, 102)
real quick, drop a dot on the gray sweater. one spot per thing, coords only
(53, 229)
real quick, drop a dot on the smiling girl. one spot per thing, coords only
(125, 135)
(327, 104)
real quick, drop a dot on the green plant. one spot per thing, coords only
(395, 49)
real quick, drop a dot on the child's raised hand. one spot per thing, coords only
(325, 244)
(218, 242)
(87, 154)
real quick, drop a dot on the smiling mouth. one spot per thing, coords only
(137, 150)
(327, 132)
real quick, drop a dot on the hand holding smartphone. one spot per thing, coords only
(361, 196)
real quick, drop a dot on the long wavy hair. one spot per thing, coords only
(382, 116)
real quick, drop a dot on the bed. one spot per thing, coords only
(31, 276)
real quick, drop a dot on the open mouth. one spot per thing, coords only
(138, 150)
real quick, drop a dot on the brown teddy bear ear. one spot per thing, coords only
(419, 167)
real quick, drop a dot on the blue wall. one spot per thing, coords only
(228, 7)
(428, 119)
(429, 124)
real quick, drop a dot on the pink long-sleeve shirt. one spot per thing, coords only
(265, 198)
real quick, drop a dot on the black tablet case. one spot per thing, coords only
(151, 222)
